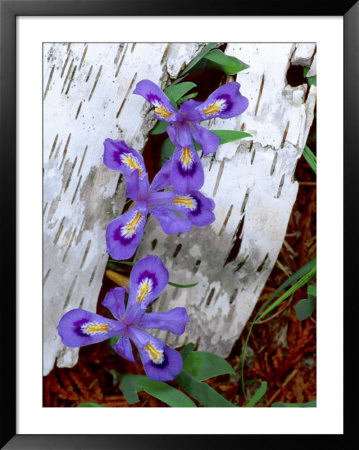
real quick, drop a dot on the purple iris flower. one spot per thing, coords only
(224, 102)
(176, 213)
(148, 279)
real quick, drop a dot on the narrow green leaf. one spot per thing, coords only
(312, 81)
(175, 91)
(311, 404)
(312, 290)
(113, 341)
(230, 135)
(304, 308)
(90, 405)
(187, 97)
(228, 64)
(292, 279)
(204, 365)
(160, 127)
(203, 393)
(302, 282)
(128, 263)
(182, 285)
(258, 394)
(200, 55)
(131, 384)
(115, 267)
(310, 158)
(167, 150)
(186, 350)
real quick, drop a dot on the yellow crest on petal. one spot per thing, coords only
(186, 157)
(130, 228)
(131, 161)
(93, 328)
(187, 201)
(154, 353)
(214, 108)
(144, 289)
(162, 111)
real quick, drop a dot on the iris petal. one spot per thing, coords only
(170, 222)
(153, 94)
(174, 320)
(187, 171)
(124, 348)
(79, 327)
(124, 234)
(208, 141)
(197, 207)
(115, 302)
(119, 156)
(161, 362)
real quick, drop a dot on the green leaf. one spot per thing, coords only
(204, 365)
(186, 350)
(183, 285)
(200, 55)
(131, 384)
(230, 135)
(312, 290)
(113, 341)
(128, 263)
(311, 80)
(311, 404)
(258, 394)
(228, 64)
(90, 405)
(304, 308)
(167, 150)
(115, 267)
(187, 97)
(160, 127)
(175, 91)
(310, 158)
(302, 282)
(203, 393)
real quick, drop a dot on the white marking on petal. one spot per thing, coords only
(144, 289)
(214, 108)
(186, 201)
(156, 355)
(91, 328)
(131, 227)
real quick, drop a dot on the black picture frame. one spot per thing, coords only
(9, 10)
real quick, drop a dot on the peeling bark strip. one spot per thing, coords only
(232, 258)
(85, 85)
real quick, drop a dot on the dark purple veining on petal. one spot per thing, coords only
(78, 327)
(117, 236)
(190, 171)
(150, 275)
(228, 101)
(198, 209)
(163, 364)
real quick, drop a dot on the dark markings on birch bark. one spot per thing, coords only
(122, 58)
(86, 253)
(67, 76)
(45, 208)
(95, 83)
(153, 244)
(83, 57)
(237, 241)
(89, 74)
(59, 231)
(68, 47)
(78, 110)
(133, 47)
(240, 264)
(260, 267)
(280, 186)
(70, 174)
(53, 146)
(77, 188)
(259, 95)
(82, 302)
(213, 157)
(226, 220)
(233, 296)
(58, 149)
(253, 156)
(49, 81)
(65, 65)
(69, 245)
(196, 266)
(65, 150)
(71, 79)
(243, 207)
(219, 176)
(46, 277)
(82, 160)
(165, 53)
(68, 297)
(118, 54)
(126, 96)
(285, 135)
(92, 275)
(177, 250)
(274, 163)
(250, 146)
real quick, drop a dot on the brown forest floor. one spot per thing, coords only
(282, 350)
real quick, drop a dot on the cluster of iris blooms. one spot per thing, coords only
(174, 199)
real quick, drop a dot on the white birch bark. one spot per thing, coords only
(88, 98)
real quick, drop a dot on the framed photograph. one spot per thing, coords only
(144, 163)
